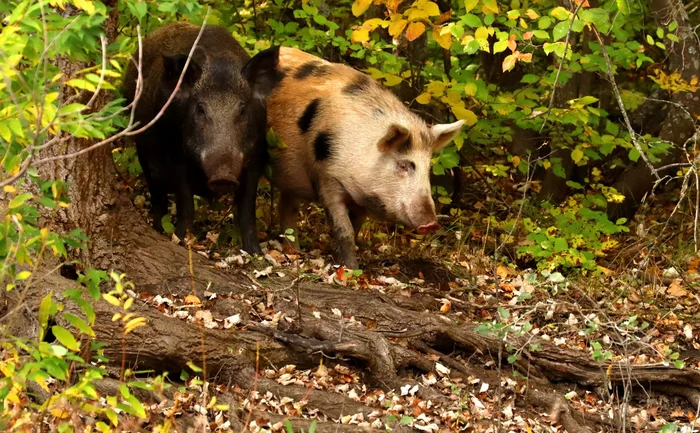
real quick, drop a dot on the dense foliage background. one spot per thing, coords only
(575, 111)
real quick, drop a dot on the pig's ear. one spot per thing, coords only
(444, 133)
(262, 73)
(172, 69)
(394, 139)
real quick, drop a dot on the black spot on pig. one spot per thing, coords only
(309, 114)
(322, 146)
(358, 86)
(312, 69)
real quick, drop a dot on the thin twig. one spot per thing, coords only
(621, 105)
(561, 65)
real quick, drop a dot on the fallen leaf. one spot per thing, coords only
(675, 289)
(192, 300)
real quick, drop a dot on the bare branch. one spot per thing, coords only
(621, 105)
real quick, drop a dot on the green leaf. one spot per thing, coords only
(65, 337)
(544, 23)
(623, 7)
(673, 26)
(633, 155)
(560, 30)
(19, 200)
(540, 34)
(47, 308)
(650, 40)
(530, 79)
(79, 324)
(660, 33)
(472, 21)
(500, 46)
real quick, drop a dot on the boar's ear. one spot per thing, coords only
(394, 139)
(262, 73)
(172, 69)
(444, 133)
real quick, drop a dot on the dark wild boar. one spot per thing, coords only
(352, 146)
(211, 139)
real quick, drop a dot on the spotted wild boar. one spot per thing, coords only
(211, 139)
(351, 145)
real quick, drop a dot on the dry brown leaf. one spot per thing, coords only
(675, 289)
(192, 300)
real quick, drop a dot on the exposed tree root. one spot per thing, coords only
(385, 336)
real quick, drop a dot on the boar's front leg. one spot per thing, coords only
(184, 201)
(332, 197)
(245, 197)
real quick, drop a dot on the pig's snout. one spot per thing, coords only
(223, 184)
(223, 172)
(425, 229)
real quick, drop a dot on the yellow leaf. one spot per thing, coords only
(192, 300)
(391, 80)
(470, 89)
(481, 33)
(470, 4)
(85, 5)
(9, 189)
(398, 23)
(516, 161)
(445, 41)
(360, 35)
(134, 323)
(489, 7)
(414, 31)
(423, 98)
(58, 412)
(509, 62)
(502, 271)
(546, 164)
(432, 9)
(111, 299)
(576, 155)
(374, 23)
(532, 14)
(465, 114)
(360, 6)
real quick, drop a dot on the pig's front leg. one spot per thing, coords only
(245, 196)
(184, 202)
(332, 196)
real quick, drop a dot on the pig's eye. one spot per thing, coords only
(201, 111)
(241, 109)
(406, 166)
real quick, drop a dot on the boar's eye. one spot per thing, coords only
(406, 166)
(241, 109)
(201, 110)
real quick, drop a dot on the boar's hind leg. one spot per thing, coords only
(184, 201)
(289, 211)
(333, 200)
(245, 197)
(159, 194)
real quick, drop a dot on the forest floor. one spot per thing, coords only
(640, 307)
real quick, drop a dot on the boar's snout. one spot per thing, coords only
(425, 229)
(223, 173)
(222, 185)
